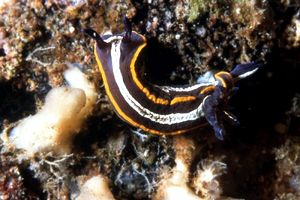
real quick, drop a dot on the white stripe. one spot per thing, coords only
(112, 38)
(180, 89)
(244, 75)
(206, 79)
(169, 119)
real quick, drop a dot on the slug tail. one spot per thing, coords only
(244, 70)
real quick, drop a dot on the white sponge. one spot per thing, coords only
(54, 126)
(95, 188)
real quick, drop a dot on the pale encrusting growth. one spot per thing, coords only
(95, 188)
(54, 126)
(205, 181)
(76, 79)
(176, 183)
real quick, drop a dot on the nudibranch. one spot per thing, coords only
(162, 110)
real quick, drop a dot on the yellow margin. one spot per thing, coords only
(218, 76)
(119, 110)
(150, 96)
(137, 81)
(207, 89)
(182, 99)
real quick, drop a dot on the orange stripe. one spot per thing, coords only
(119, 110)
(145, 90)
(150, 96)
(218, 76)
(207, 89)
(182, 99)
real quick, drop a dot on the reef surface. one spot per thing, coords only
(259, 159)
